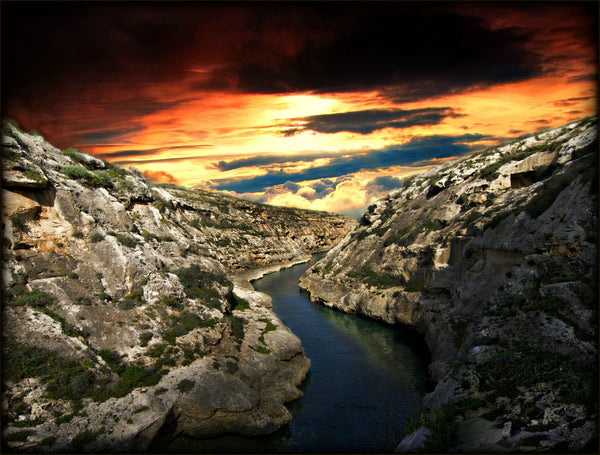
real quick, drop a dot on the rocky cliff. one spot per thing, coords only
(493, 258)
(126, 305)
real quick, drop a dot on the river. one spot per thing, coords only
(364, 380)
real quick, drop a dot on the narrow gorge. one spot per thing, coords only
(128, 311)
(127, 305)
(493, 259)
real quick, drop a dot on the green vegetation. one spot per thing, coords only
(133, 299)
(17, 436)
(82, 439)
(442, 425)
(240, 304)
(170, 335)
(433, 225)
(156, 350)
(65, 418)
(378, 279)
(404, 236)
(68, 328)
(414, 285)
(82, 300)
(162, 205)
(200, 284)
(133, 377)
(472, 218)
(144, 338)
(505, 371)
(75, 172)
(185, 385)
(269, 327)
(182, 324)
(328, 269)
(96, 237)
(237, 329)
(35, 298)
(48, 441)
(490, 172)
(124, 240)
(18, 224)
(64, 378)
(148, 235)
(171, 302)
(76, 155)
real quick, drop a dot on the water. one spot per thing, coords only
(364, 380)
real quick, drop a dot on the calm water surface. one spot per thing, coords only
(365, 378)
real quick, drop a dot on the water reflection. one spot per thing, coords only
(365, 378)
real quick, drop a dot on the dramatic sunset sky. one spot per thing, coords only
(317, 105)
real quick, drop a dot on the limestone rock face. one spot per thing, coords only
(126, 305)
(493, 258)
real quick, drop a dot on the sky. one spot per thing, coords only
(326, 106)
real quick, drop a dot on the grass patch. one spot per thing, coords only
(124, 240)
(96, 237)
(240, 304)
(269, 327)
(35, 298)
(82, 439)
(18, 224)
(404, 236)
(75, 172)
(200, 284)
(237, 328)
(185, 385)
(433, 225)
(507, 370)
(472, 218)
(144, 338)
(68, 328)
(17, 436)
(414, 286)
(133, 377)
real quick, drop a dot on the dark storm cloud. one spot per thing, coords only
(367, 121)
(418, 149)
(103, 136)
(414, 50)
(270, 158)
(135, 153)
(385, 183)
(571, 101)
(293, 187)
(583, 78)
(256, 48)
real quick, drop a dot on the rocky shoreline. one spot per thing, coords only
(493, 259)
(127, 305)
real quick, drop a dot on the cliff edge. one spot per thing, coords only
(493, 258)
(126, 305)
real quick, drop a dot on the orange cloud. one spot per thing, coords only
(160, 176)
